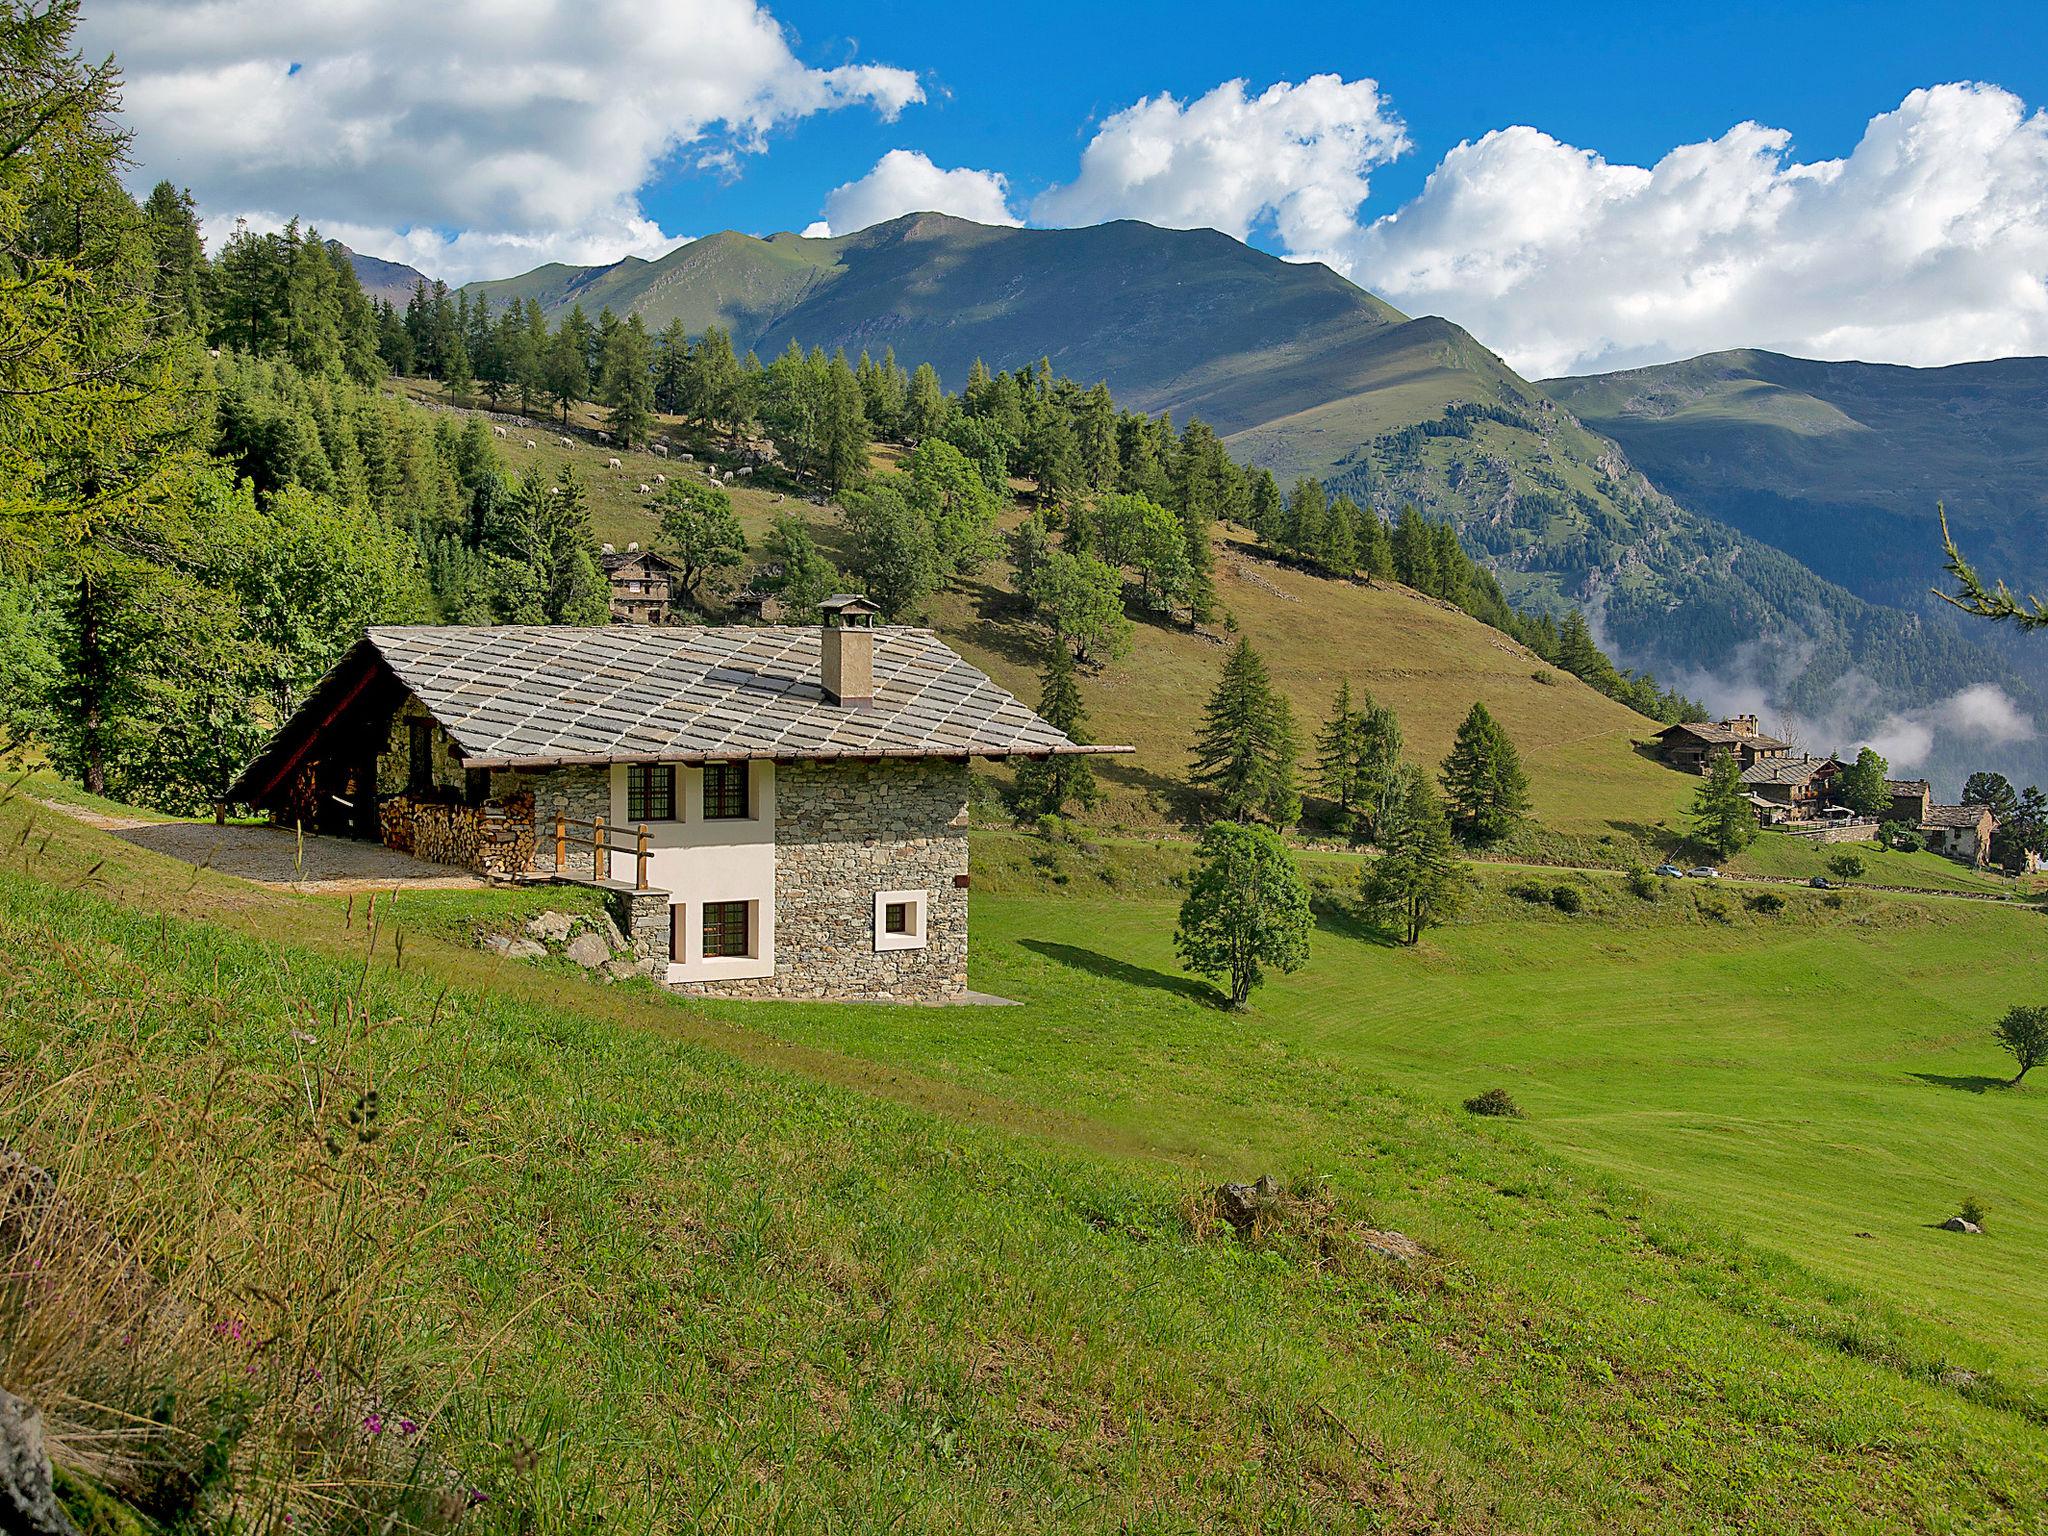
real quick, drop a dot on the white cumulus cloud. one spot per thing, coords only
(906, 181)
(479, 136)
(1927, 244)
(1298, 156)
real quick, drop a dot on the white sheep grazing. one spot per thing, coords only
(646, 490)
(728, 477)
(689, 458)
(565, 442)
(662, 449)
(611, 463)
(499, 430)
(604, 437)
(661, 479)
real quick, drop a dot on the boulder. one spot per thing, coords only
(551, 927)
(613, 932)
(1957, 1224)
(512, 947)
(1397, 1246)
(28, 1499)
(1240, 1204)
(621, 968)
(588, 950)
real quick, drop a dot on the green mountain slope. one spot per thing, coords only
(1841, 464)
(1305, 373)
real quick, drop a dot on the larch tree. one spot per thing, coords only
(1484, 781)
(1722, 819)
(1418, 880)
(1245, 753)
(1049, 785)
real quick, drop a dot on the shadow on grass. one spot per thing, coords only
(1111, 969)
(1968, 1084)
(1348, 922)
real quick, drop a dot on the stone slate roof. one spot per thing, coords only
(1908, 787)
(1957, 816)
(1720, 736)
(540, 695)
(613, 561)
(1795, 771)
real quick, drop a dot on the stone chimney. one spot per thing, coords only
(846, 650)
(1742, 725)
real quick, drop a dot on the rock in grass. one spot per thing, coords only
(28, 1497)
(588, 950)
(1241, 1204)
(512, 947)
(551, 927)
(1958, 1224)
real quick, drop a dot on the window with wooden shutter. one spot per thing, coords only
(650, 792)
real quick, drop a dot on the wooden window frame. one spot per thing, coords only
(641, 804)
(896, 917)
(716, 918)
(419, 765)
(735, 788)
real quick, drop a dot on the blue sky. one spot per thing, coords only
(1018, 93)
(1587, 187)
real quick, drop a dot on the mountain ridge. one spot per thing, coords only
(1303, 372)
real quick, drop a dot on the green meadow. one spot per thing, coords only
(681, 1266)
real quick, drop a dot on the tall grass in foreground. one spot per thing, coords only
(204, 1293)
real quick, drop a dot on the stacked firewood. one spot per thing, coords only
(493, 839)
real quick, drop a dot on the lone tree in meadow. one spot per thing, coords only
(1247, 909)
(1861, 785)
(1722, 820)
(1245, 753)
(1045, 787)
(2024, 1033)
(1418, 880)
(1484, 781)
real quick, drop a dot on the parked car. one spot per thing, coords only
(1670, 871)
(1704, 872)
(1821, 883)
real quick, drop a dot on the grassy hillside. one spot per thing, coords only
(676, 1266)
(1428, 661)
(1843, 464)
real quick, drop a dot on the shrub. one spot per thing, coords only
(1713, 909)
(1767, 902)
(1566, 898)
(1495, 1101)
(2024, 1033)
(1549, 678)
(1972, 1209)
(1832, 902)
(1847, 866)
(1641, 883)
(1898, 835)
(1528, 890)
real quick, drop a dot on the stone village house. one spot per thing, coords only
(642, 585)
(802, 789)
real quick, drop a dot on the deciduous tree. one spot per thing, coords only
(1246, 911)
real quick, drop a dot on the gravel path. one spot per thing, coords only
(271, 856)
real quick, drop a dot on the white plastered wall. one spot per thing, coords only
(696, 861)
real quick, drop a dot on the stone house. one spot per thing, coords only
(1963, 832)
(1911, 800)
(1793, 787)
(643, 585)
(1692, 744)
(785, 807)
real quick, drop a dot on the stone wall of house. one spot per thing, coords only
(643, 917)
(844, 831)
(580, 793)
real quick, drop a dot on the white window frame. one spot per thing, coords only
(915, 937)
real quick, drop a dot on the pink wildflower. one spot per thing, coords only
(373, 1423)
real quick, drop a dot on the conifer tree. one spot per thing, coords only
(1377, 772)
(1245, 754)
(1307, 517)
(1418, 880)
(1338, 753)
(1046, 787)
(625, 386)
(1723, 821)
(1338, 553)
(1483, 780)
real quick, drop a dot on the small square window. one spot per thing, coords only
(725, 792)
(650, 792)
(725, 930)
(420, 767)
(896, 917)
(899, 920)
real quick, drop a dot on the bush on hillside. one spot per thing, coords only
(1847, 866)
(1641, 883)
(1495, 1101)
(1528, 890)
(1972, 1209)
(1770, 903)
(1566, 898)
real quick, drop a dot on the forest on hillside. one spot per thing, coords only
(209, 490)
